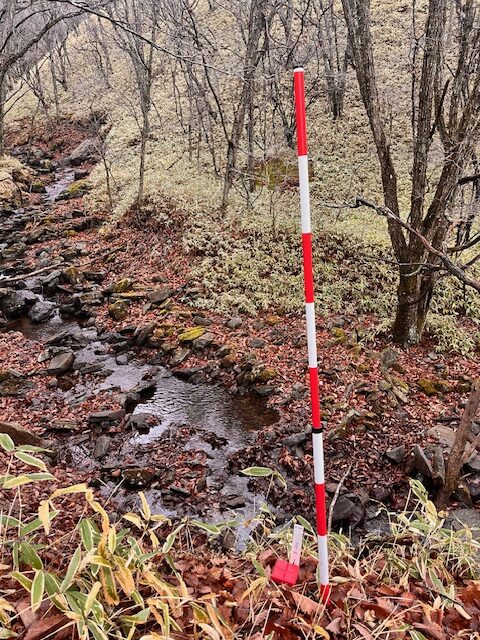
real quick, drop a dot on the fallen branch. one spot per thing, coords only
(22, 276)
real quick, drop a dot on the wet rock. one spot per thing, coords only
(16, 303)
(19, 435)
(189, 335)
(41, 311)
(87, 151)
(397, 454)
(61, 363)
(114, 415)
(421, 462)
(187, 374)
(75, 190)
(141, 422)
(200, 321)
(138, 478)
(296, 438)
(130, 401)
(343, 509)
(234, 323)
(160, 295)
(265, 390)
(118, 310)
(102, 445)
(203, 341)
(462, 518)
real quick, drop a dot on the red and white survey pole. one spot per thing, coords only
(317, 428)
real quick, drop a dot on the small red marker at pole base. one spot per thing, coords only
(287, 572)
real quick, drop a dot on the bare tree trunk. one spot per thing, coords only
(455, 459)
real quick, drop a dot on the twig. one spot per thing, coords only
(335, 497)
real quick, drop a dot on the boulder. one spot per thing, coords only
(160, 295)
(203, 341)
(118, 310)
(87, 151)
(61, 363)
(19, 435)
(41, 311)
(16, 303)
(114, 415)
(421, 462)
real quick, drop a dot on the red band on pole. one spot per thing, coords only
(308, 266)
(315, 398)
(299, 82)
(321, 509)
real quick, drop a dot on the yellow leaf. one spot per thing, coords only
(257, 583)
(75, 488)
(124, 576)
(43, 514)
(147, 514)
(92, 596)
(134, 519)
(320, 631)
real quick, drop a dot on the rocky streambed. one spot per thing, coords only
(135, 390)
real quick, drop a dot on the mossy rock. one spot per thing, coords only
(38, 187)
(341, 336)
(118, 310)
(434, 386)
(75, 190)
(189, 335)
(267, 374)
(72, 275)
(428, 387)
(122, 285)
(399, 382)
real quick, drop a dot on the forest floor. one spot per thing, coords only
(128, 303)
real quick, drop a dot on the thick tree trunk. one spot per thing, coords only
(414, 295)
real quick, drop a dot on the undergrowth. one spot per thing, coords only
(141, 576)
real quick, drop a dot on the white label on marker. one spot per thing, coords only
(296, 551)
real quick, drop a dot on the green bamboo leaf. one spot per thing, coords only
(72, 569)
(36, 594)
(6, 442)
(9, 521)
(22, 579)
(171, 539)
(18, 481)
(97, 632)
(30, 460)
(206, 526)
(7, 633)
(305, 524)
(257, 472)
(29, 556)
